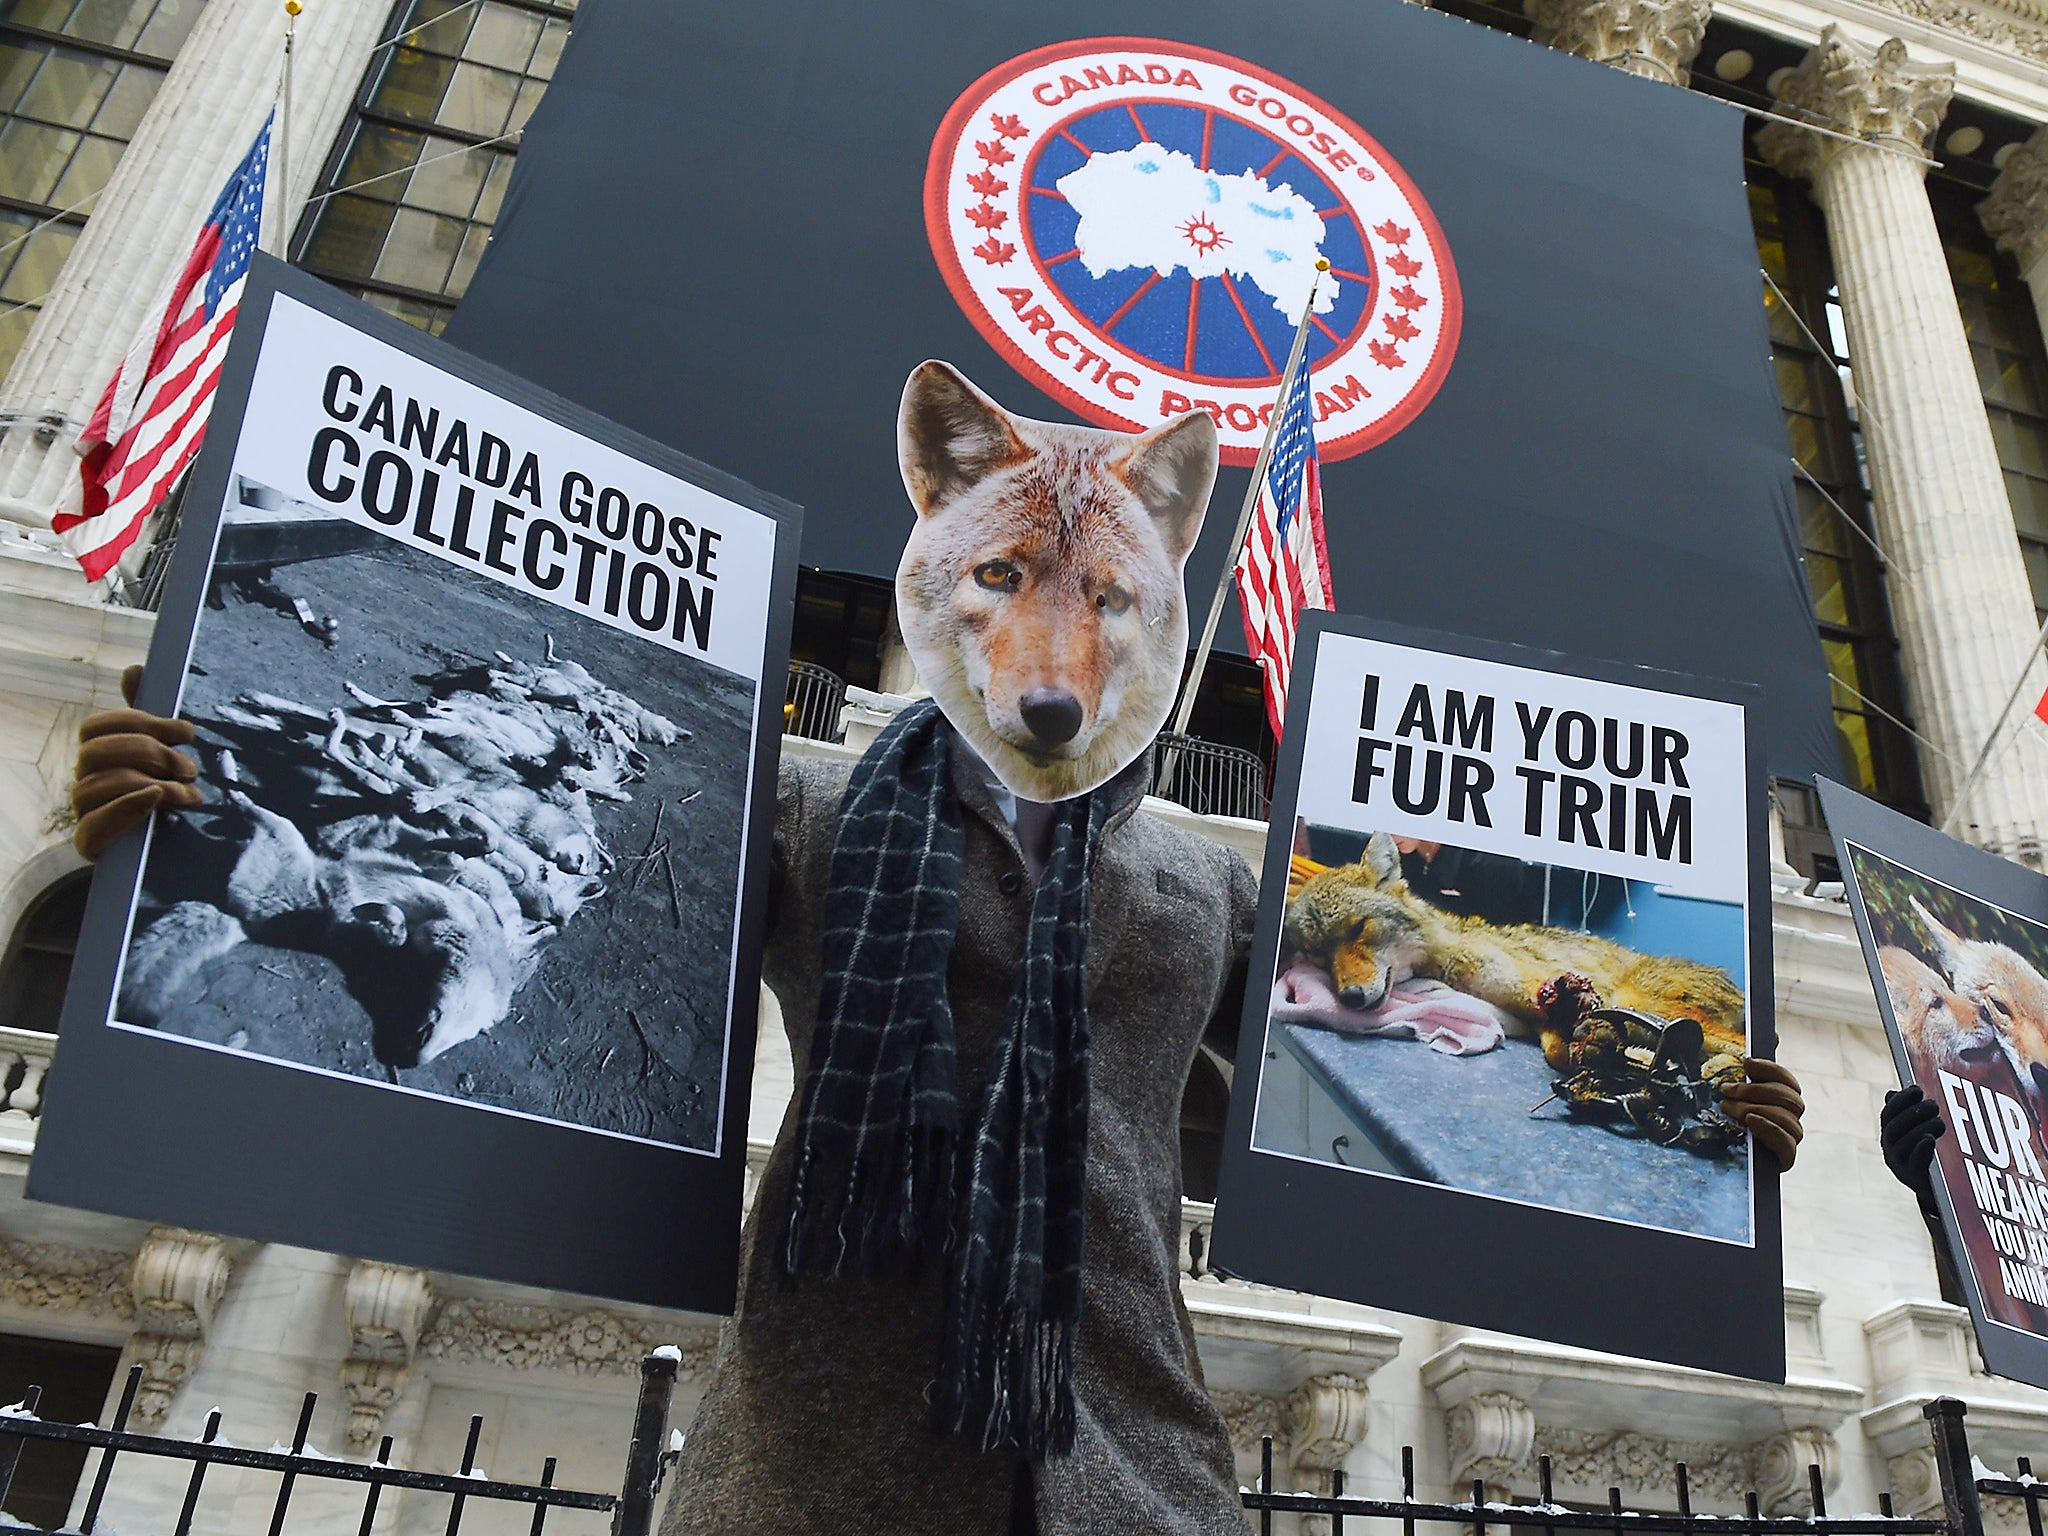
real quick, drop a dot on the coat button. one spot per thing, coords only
(1011, 883)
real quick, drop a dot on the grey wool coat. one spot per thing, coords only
(815, 1422)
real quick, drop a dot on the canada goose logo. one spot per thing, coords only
(1135, 225)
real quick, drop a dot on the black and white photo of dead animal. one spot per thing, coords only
(453, 836)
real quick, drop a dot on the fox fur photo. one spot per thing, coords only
(1040, 589)
(1362, 924)
(2004, 991)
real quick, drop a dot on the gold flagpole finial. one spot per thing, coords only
(292, 7)
(1322, 262)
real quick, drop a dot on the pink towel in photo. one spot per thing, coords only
(1416, 1009)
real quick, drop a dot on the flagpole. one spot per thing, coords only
(1955, 807)
(281, 168)
(1244, 516)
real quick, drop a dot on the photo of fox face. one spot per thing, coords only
(1942, 1031)
(2008, 994)
(1040, 589)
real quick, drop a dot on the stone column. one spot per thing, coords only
(2016, 216)
(200, 124)
(1958, 588)
(1656, 39)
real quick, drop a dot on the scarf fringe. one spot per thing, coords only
(1008, 1380)
(883, 1212)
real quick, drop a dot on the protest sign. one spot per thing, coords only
(1513, 939)
(1956, 940)
(457, 966)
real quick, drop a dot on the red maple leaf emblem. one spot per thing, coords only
(1401, 328)
(988, 184)
(986, 216)
(1407, 297)
(1403, 264)
(1384, 353)
(1009, 125)
(1392, 233)
(993, 152)
(995, 252)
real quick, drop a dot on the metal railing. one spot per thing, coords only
(811, 708)
(1209, 779)
(631, 1508)
(1961, 1487)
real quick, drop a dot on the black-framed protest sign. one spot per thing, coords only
(458, 965)
(1957, 944)
(1514, 935)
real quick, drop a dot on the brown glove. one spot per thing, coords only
(1770, 1105)
(126, 769)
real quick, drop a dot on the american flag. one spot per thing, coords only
(1284, 566)
(152, 416)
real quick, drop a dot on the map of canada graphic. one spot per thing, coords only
(1135, 224)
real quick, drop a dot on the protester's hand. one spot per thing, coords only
(1907, 1128)
(1769, 1105)
(126, 769)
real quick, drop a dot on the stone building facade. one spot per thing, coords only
(1896, 148)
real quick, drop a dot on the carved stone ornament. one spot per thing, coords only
(2008, 28)
(593, 1342)
(89, 1280)
(1250, 1417)
(1656, 39)
(1601, 1459)
(1490, 1434)
(177, 1279)
(385, 1306)
(1916, 1482)
(2016, 213)
(1326, 1418)
(1875, 94)
(1783, 1482)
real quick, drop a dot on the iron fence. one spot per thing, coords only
(1961, 1489)
(1209, 779)
(631, 1508)
(811, 708)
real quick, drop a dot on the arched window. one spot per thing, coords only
(38, 963)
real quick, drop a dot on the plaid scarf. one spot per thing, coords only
(882, 1178)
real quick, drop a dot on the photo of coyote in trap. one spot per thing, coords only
(457, 839)
(1536, 1033)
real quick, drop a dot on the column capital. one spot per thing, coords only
(1877, 94)
(2016, 213)
(1657, 39)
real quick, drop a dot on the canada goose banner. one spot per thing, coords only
(1514, 945)
(457, 965)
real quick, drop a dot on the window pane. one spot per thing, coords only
(413, 85)
(479, 100)
(473, 245)
(420, 251)
(545, 57)
(14, 329)
(350, 233)
(1810, 446)
(428, 317)
(36, 261)
(378, 160)
(169, 27)
(1824, 583)
(503, 36)
(451, 183)
(124, 105)
(494, 187)
(442, 25)
(1858, 760)
(1796, 389)
(32, 157)
(46, 15)
(90, 168)
(68, 89)
(18, 65)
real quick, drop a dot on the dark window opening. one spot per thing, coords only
(38, 962)
(75, 1379)
(1203, 1107)
(840, 623)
